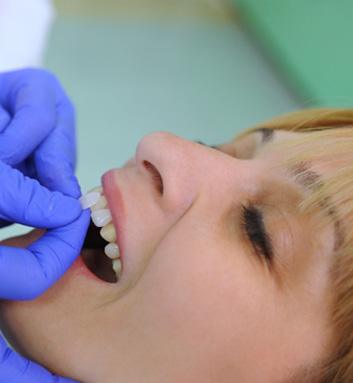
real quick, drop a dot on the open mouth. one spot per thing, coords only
(101, 253)
(94, 258)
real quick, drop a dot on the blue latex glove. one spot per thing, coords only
(16, 369)
(27, 273)
(37, 129)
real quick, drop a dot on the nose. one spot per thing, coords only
(170, 161)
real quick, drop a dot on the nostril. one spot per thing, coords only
(155, 175)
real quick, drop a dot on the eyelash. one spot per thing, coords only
(254, 228)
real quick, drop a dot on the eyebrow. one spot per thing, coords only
(309, 179)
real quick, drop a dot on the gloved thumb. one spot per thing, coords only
(24, 200)
(27, 273)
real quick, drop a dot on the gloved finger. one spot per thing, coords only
(14, 368)
(27, 167)
(5, 118)
(27, 273)
(34, 115)
(23, 200)
(55, 158)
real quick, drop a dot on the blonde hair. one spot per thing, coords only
(330, 141)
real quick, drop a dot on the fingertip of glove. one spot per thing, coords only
(66, 184)
(86, 218)
(69, 188)
(64, 209)
(73, 188)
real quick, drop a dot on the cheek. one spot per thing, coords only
(202, 302)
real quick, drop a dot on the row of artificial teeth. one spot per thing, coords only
(102, 217)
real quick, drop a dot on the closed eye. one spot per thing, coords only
(253, 225)
(252, 219)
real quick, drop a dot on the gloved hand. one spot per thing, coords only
(37, 129)
(27, 273)
(16, 369)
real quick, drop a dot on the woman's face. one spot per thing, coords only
(203, 295)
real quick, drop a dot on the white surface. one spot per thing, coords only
(24, 25)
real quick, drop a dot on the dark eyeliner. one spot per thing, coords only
(253, 225)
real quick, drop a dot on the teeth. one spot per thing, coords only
(117, 266)
(112, 251)
(89, 199)
(108, 233)
(101, 217)
(101, 203)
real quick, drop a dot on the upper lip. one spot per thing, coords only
(116, 207)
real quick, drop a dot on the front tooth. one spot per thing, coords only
(108, 233)
(101, 217)
(89, 199)
(112, 250)
(117, 266)
(100, 204)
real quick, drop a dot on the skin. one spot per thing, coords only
(197, 303)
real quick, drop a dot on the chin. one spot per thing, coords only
(52, 329)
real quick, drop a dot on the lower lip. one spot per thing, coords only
(79, 267)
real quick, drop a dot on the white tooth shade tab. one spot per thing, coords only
(112, 250)
(101, 217)
(89, 199)
(108, 233)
